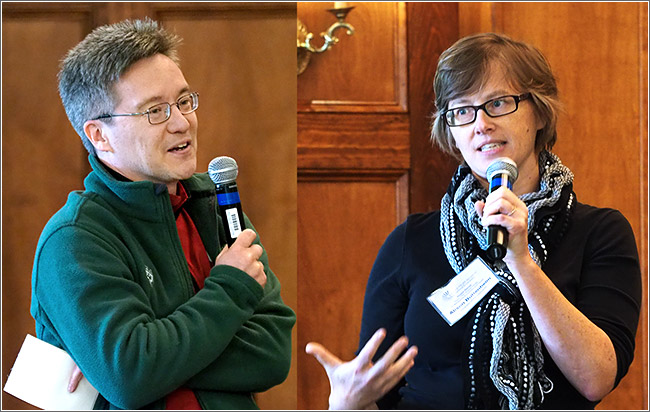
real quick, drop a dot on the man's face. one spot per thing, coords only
(488, 138)
(162, 153)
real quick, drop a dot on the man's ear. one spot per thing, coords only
(97, 133)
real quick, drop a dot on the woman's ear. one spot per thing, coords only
(540, 123)
(97, 133)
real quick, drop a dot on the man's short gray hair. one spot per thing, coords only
(90, 69)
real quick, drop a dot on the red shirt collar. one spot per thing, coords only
(179, 198)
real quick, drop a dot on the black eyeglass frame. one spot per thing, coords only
(168, 109)
(517, 98)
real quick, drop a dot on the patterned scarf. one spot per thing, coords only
(505, 366)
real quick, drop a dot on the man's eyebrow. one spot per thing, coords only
(144, 105)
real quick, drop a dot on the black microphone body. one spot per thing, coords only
(223, 172)
(501, 172)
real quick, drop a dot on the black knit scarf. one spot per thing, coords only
(504, 368)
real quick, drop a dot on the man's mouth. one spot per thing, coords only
(180, 147)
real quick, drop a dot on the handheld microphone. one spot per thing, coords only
(501, 172)
(223, 172)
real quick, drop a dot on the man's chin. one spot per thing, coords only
(185, 171)
(186, 174)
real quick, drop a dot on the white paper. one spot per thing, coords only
(40, 377)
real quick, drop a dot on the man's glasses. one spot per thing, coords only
(500, 106)
(161, 112)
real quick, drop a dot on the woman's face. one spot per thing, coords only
(488, 138)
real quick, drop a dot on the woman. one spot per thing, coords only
(557, 331)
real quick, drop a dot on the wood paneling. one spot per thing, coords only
(365, 72)
(369, 141)
(642, 335)
(431, 29)
(239, 56)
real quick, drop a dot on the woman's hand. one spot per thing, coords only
(503, 208)
(359, 383)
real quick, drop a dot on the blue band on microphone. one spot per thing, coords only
(228, 198)
(500, 180)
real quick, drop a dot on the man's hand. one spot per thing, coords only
(75, 378)
(359, 383)
(244, 255)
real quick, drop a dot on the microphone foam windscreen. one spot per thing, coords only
(222, 169)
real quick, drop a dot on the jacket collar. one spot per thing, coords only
(143, 199)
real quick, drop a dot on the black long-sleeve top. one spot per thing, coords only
(596, 267)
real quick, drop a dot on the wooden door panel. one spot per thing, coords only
(364, 72)
(353, 142)
(341, 226)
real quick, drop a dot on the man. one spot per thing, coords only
(133, 277)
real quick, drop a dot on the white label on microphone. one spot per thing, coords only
(464, 291)
(233, 222)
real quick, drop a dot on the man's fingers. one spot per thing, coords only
(322, 355)
(257, 251)
(245, 238)
(74, 379)
(370, 348)
(224, 250)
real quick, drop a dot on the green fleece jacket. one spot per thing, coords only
(111, 287)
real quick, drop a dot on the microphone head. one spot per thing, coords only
(222, 169)
(502, 165)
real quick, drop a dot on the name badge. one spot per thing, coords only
(464, 291)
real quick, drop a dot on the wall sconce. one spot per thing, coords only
(305, 49)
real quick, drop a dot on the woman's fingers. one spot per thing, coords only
(323, 356)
